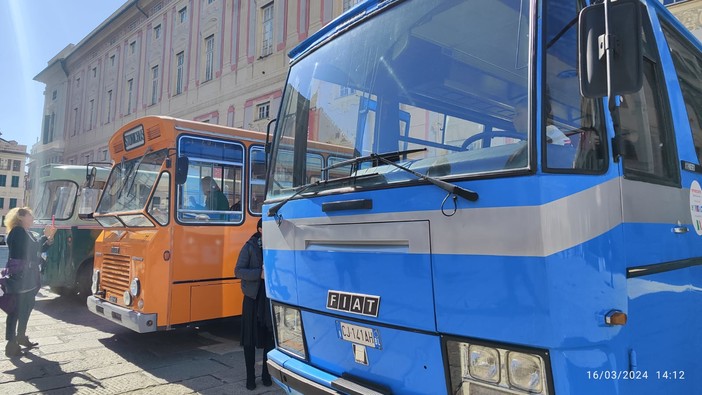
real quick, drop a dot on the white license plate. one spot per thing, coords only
(358, 334)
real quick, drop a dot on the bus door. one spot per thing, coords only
(656, 211)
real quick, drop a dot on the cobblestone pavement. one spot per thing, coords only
(81, 353)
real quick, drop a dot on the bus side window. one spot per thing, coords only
(213, 191)
(257, 179)
(579, 119)
(648, 147)
(688, 66)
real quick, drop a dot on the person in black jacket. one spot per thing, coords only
(256, 321)
(23, 271)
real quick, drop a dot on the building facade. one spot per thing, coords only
(13, 157)
(220, 61)
(689, 12)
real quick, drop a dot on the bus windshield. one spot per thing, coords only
(423, 76)
(57, 198)
(130, 183)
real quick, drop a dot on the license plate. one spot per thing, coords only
(358, 334)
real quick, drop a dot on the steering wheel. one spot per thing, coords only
(492, 134)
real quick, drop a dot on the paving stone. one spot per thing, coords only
(81, 353)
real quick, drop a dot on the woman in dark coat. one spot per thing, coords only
(256, 321)
(23, 280)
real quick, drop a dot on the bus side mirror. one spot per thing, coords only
(625, 37)
(181, 173)
(90, 175)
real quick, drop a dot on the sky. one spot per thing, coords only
(31, 33)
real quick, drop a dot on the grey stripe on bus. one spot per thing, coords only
(535, 231)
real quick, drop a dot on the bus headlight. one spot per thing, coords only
(525, 371)
(481, 369)
(484, 363)
(135, 287)
(289, 334)
(127, 298)
(95, 286)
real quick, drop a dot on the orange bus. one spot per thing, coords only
(181, 200)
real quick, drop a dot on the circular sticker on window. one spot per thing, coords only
(696, 206)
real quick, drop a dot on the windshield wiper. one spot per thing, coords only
(366, 158)
(446, 186)
(273, 211)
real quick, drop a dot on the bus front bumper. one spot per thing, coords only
(284, 371)
(138, 322)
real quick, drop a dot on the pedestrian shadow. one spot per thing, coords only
(45, 376)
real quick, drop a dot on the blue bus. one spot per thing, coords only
(490, 224)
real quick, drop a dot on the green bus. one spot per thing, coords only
(68, 264)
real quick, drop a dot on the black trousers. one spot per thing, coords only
(16, 323)
(250, 359)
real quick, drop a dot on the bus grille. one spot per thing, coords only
(114, 277)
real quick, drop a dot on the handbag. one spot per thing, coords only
(21, 276)
(8, 301)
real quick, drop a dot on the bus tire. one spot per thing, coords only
(84, 279)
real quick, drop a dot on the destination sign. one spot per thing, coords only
(134, 138)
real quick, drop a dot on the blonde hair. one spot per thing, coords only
(13, 218)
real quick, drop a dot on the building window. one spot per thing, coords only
(92, 114)
(16, 165)
(3, 180)
(15, 182)
(180, 60)
(109, 105)
(346, 91)
(157, 32)
(210, 1)
(263, 110)
(154, 85)
(267, 32)
(183, 15)
(48, 135)
(13, 203)
(94, 72)
(130, 91)
(104, 154)
(112, 61)
(54, 94)
(2, 205)
(132, 47)
(77, 82)
(209, 58)
(350, 3)
(75, 121)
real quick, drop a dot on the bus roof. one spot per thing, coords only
(367, 7)
(167, 125)
(75, 173)
(330, 29)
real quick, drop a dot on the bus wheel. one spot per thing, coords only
(85, 279)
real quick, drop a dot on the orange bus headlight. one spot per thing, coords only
(127, 298)
(135, 287)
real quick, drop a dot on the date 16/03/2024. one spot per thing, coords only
(635, 375)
